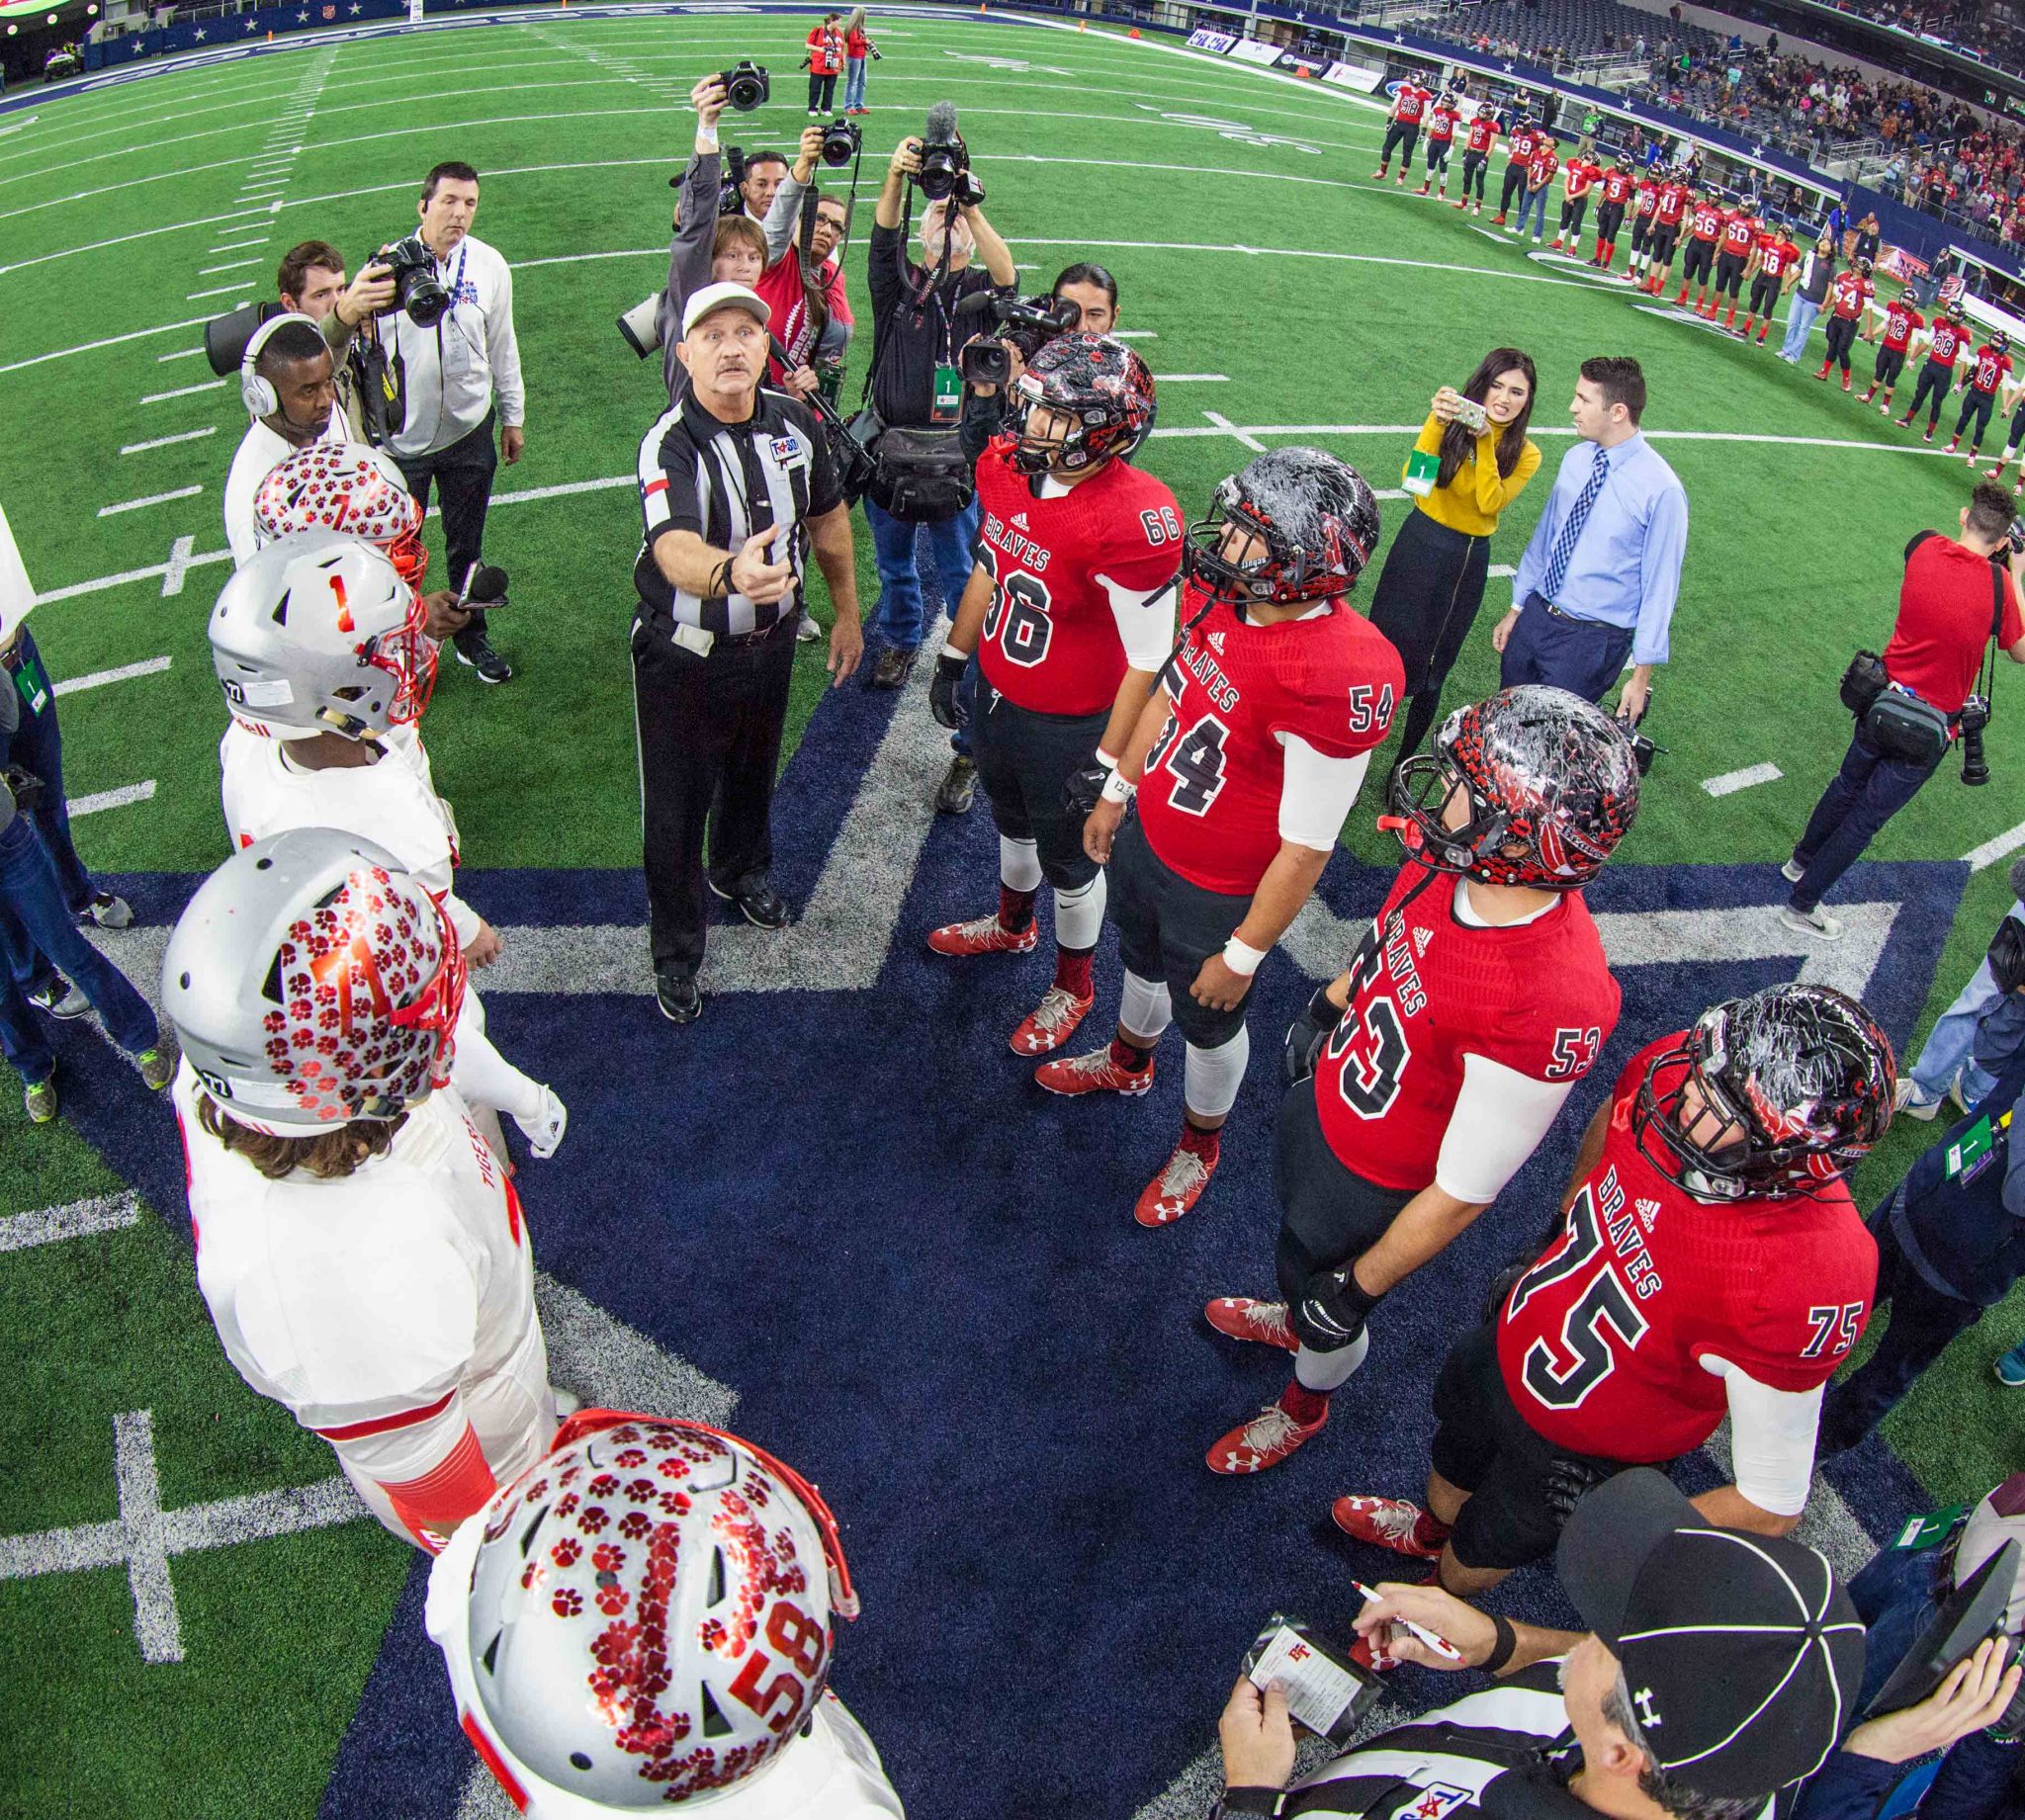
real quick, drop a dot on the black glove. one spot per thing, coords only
(27, 788)
(1306, 1035)
(1085, 789)
(1501, 1290)
(943, 703)
(1567, 1478)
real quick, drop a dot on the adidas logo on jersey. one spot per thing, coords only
(1648, 1214)
(1019, 521)
(1217, 642)
(1421, 938)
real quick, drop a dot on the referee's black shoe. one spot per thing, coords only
(474, 651)
(676, 991)
(755, 900)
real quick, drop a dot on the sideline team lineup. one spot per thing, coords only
(1171, 715)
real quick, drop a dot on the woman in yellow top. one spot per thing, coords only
(1432, 584)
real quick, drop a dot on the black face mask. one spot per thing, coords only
(2008, 955)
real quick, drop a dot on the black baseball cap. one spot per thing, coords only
(1742, 1653)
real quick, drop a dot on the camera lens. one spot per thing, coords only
(839, 141)
(984, 363)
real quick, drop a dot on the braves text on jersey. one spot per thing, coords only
(1536, 997)
(1706, 223)
(1051, 642)
(1900, 322)
(1483, 131)
(1850, 292)
(1601, 1342)
(1949, 338)
(1210, 797)
(1990, 369)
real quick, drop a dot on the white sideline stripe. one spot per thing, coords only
(136, 505)
(96, 679)
(237, 265)
(1134, 334)
(155, 1623)
(1188, 379)
(1499, 572)
(1994, 850)
(179, 354)
(162, 441)
(1730, 782)
(1224, 427)
(110, 341)
(184, 391)
(112, 798)
(238, 284)
(100, 1213)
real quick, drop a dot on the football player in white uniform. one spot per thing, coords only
(361, 1250)
(320, 649)
(645, 1620)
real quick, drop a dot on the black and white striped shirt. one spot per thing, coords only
(724, 482)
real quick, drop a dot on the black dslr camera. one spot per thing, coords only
(416, 288)
(841, 142)
(745, 87)
(1026, 324)
(1974, 719)
(945, 173)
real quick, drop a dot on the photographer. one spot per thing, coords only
(287, 384)
(812, 316)
(825, 63)
(915, 384)
(692, 251)
(858, 51)
(1093, 291)
(456, 378)
(311, 283)
(1958, 594)
(765, 171)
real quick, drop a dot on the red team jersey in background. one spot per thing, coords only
(1990, 369)
(1483, 131)
(1541, 166)
(1616, 185)
(1649, 198)
(1739, 235)
(1849, 292)
(1441, 123)
(1523, 143)
(1408, 102)
(1706, 223)
(1537, 998)
(1673, 202)
(1900, 322)
(1601, 1342)
(1209, 798)
(1775, 254)
(1581, 174)
(1050, 640)
(1949, 338)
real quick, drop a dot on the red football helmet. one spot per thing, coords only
(1551, 784)
(1098, 382)
(347, 487)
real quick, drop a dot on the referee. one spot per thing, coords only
(736, 486)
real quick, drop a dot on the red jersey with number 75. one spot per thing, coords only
(1067, 565)
(1209, 798)
(1537, 997)
(1601, 1343)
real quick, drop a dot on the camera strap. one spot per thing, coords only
(1996, 632)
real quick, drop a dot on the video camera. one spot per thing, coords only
(1025, 324)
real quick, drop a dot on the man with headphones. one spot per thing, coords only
(289, 388)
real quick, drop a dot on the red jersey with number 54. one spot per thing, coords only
(1209, 798)
(1601, 1343)
(1536, 997)
(1068, 570)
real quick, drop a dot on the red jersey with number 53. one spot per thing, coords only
(1602, 1341)
(1051, 640)
(1209, 798)
(1536, 997)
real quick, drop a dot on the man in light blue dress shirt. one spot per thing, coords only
(1598, 582)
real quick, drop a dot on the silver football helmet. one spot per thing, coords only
(313, 982)
(319, 634)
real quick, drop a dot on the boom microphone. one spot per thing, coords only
(975, 305)
(942, 123)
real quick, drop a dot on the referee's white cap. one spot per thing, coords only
(713, 298)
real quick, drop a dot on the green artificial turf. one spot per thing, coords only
(1237, 212)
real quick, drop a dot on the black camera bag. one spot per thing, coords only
(1863, 682)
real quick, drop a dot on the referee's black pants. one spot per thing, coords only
(709, 729)
(463, 474)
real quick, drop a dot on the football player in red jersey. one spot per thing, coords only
(1946, 342)
(1247, 760)
(1477, 154)
(1644, 215)
(1522, 141)
(1734, 250)
(1776, 270)
(1619, 183)
(1441, 118)
(1712, 1264)
(1986, 375)
(1705, 225)
(1849, 297)
(1425, 1076)
(1074, 599)
(1901, 321)
(1668, 207)
(2016, 439)
(1578, 177)
(1409, 103)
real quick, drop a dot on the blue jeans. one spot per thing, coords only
(38, 747)
(1534, 204)
(1860, 799)
(1799, 324)
(854, 82)
(1948, 1044)
(33, 917)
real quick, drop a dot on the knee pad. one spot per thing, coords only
(1079, 915)
(1019, 864)
(1144, 1007)
(1210, 1084)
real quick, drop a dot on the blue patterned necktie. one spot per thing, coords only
(1571, 532)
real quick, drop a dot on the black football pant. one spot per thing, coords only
(1404, 133)
(1610, 222)
(463, 475)
(1841, 338)
(1473, 164)
(1976, 404)
(1515, 185)
(1933, 383)
(1890, 363)
(1438, 158)
(1572, 216)
(1764, 296)
(2016, 439)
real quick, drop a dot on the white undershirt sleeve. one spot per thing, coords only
(1498, 1121)
(1771, 1437)
(1146, 622)
(1317, 793)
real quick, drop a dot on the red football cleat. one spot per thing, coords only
(1378, 175)
(1682, 299)
(1953, 445)
(983, 935)
(1423, 190)
(1557, 247)
(1497, 220)
(1845, 381)
(1095, 1072)
(1267, 1439)
(1052, 1022)
(1823, 374)
(1385, 1521)
(1176, 1189)
(1264, 1324)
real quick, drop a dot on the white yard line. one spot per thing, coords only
(218, 290)
(96, 679)
(101, 1213)
(136, 505)
(1224, 427)
(1730, 782)
(234, 265)
(1994, 850)
(179, 354)
(162, 441)
(1191, 378)
(110, 341)
(184, 391)
(112, 798)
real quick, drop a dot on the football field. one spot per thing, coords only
(834, 1212)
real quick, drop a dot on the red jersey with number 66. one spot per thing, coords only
(1071, 571)
(1209, 798)
(1601, 1343)
(1537, 997)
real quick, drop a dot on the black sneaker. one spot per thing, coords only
(59, 997)
(960, 787)
(759, 903)
(106, 911)
(474, 651)
(892, 668)
(675, 989)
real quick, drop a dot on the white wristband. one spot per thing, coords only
(1240, 957)
(1105, 759)
(1116, 789)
